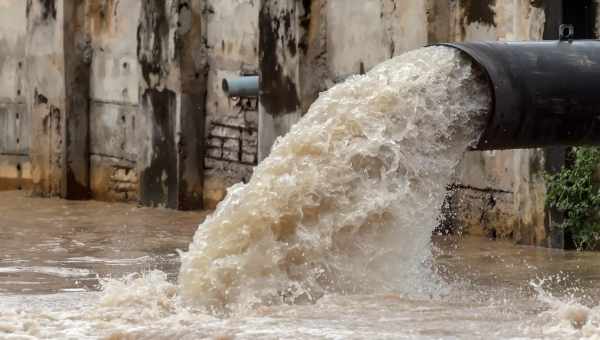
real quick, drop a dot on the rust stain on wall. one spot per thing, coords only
(102, 14)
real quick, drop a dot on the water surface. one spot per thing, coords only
(53, 252)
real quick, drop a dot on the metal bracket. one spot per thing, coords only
(566, 32)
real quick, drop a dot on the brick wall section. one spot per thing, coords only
(234, 143)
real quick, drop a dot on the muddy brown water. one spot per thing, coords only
(53, 253)
(53, 245)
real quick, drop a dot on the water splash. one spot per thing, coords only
(346, 203)
(347, 200)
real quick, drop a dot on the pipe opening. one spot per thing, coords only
(543, 92)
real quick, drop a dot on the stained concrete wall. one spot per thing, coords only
(232, 34)
(104, 99)
(46, 94)
(15, 122)
(114, 99)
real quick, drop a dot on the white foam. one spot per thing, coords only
(51, 271)
(346, 203)
(348, 199)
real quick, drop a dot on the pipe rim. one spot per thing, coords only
(492, 110)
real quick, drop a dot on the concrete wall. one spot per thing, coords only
(231, 123)
(104, 99)
(15, 122)
(114, 99)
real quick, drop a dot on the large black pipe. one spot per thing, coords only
(544, 93)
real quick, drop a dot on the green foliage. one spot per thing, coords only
(576, 192)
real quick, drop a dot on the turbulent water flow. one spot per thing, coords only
(347, 200)
(339, 215)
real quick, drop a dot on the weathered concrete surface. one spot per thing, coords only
(77, 54)
(113, 148)
(501, 194)
(170, 51)
(406, 25)
(314, 73)
(193, 59)
(45, 94)
(279, 104)
(56, 96)
(114, 92)
(355, 44)
(231, 123)
(15, 122)
(71, 79)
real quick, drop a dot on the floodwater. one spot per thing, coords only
(54, 251)
(53, 246)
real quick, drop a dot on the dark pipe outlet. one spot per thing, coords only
(544, 93)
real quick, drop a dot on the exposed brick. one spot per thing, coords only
(211, 163)
(215, 142)
(232, 144)
(125, 187)
(124, 175)
(249, 158)
(224, 131)
(250, 149)
(214, 153)
(231, 155)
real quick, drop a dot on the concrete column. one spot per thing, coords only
(77, 56)
(279, 104)
(171, 121)
(192, 118)
(15, 166)
(57, 78)
(45, 94)
(312, 46)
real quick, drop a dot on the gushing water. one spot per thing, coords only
(347, 200)
(340, 215)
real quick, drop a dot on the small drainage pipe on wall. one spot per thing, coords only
(247, 86)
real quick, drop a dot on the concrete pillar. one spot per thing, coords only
(279, 103)
(57, 78)
(77, 56)
(192, 118)
(171, 120)
(312, 48)
(15, 166)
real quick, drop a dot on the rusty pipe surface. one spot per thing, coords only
(544, 92)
